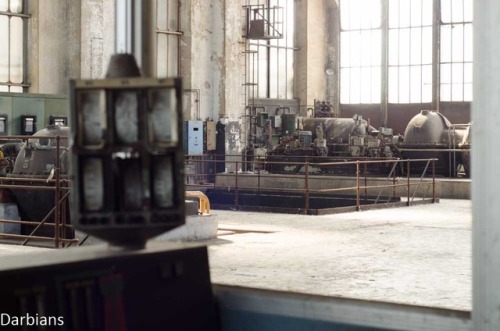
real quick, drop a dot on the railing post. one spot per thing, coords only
(306, 178)
(56, 193)
(394, 180)
(408, 181)
(357, 187)
(433, 180)
(236, 202)
(366, 182)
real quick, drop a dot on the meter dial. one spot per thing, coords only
(163, 118)
(93, 184)
(126, 117)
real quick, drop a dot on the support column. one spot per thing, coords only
(485, 161)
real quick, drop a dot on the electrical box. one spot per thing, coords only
(28, 125)
(193, 137)
(210, 136)
(276, 122)
(58, 120)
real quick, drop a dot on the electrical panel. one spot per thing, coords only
(193, 137)
(28, 125)
(3, 124)
(58, 120)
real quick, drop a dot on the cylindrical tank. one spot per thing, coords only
(425, 134)
(288, 123)
(36, 159)
(336, 130)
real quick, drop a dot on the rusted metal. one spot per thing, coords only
(56, 194)
(306, 186)
(408, 164)
(358, 206)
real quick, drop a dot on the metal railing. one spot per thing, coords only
(234, 180)
(56, 184)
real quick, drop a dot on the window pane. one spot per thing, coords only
(427, 12)
(415, 84)
(393, 13)
(16, 50)
(173, 55)
(4, 51)
(404, 46)
(366, 81)
(457, 92)
(427, 45)
(446, 43)
(345, 14)
(161, 55)
(273, 73)
(468, 43)
(468, 10)
(16, 89)
(457, 11)
(172, 14)
(416, 46)
(16, 6)
(161, 14)
(457, 43)
(416, 13)
(393, 47)
(289, 74)
(446, 73)
(393, 85)
(467, 92)
(376, 84)
(446, 11)
(4, 5)
(445, 92)
(345, 75)
(457, 73)
(427, 83)
(262, 72)
(468, 73)
(404, 84)
(4, 88)
(355, 85)
(404, 13)
(345, 50)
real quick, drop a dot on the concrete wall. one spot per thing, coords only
(68, 39)
(316, 60)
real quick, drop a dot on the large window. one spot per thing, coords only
(167, 38)
(270, 61)
(456, 50)
(403, 48)
(410, 51)
(12, 46)
(360, 51)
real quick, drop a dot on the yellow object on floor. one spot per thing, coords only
(204, 206)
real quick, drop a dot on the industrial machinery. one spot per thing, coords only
(36, 160)
(328, 139)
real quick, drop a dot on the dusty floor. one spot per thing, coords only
(418, 255)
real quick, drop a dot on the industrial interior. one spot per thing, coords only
(249, 164)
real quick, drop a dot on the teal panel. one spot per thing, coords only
(6, 108)
(55, 107)
(235, 320)
(27, 105)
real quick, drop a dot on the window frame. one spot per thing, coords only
(24, 85)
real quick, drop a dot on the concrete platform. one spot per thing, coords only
(417, 255)
(446, 188)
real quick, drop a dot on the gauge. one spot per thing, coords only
(93, 184)
(93, 117)
(163, 188)
(126, 117)
(163, 117)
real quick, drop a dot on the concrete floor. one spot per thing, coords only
(418, 255)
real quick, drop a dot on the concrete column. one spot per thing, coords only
(316, 61)
(485, 161)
